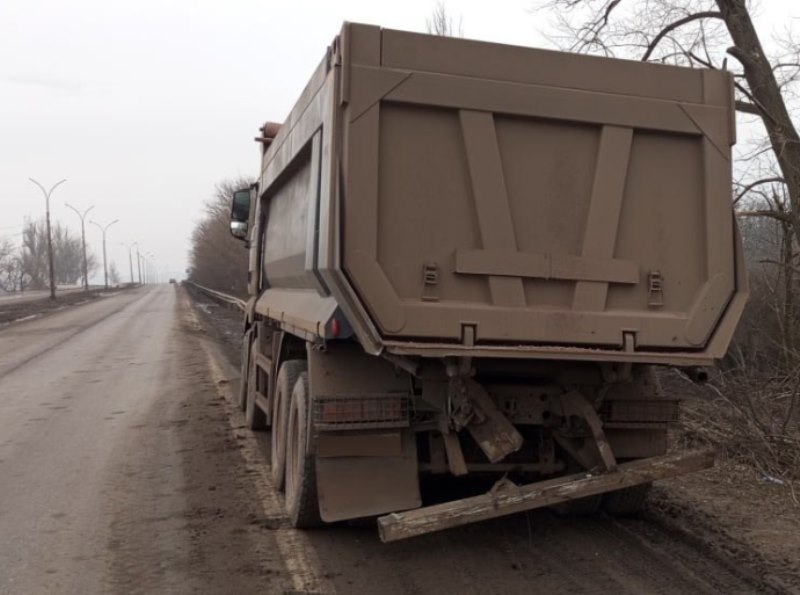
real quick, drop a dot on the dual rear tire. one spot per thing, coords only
(293, 468)
(287, 377)
(302, 503)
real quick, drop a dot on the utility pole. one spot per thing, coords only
(104, 229)
(83, 242)
(130, 256)
(139, 263)
(152, 271)
(47, 194)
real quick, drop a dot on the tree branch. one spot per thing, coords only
(749, 187)
(709, 14)
(786, 218)
(747, 108)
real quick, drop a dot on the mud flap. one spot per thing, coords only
(350, 486)
(507, 498)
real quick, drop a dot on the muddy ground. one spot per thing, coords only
(723, 531)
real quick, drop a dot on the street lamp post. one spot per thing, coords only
(139, 263)
(83, 242)
(105, 265)
(130, 257)
(47, 194)
(152, 273)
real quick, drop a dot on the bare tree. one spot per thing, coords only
(441, 23)
(67, 255)
(113, 274)
(10, 266)
(217, 259)
(754, 413)
(717, 34)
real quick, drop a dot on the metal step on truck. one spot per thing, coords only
(466, 258)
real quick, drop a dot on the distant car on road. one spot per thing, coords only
(172, 280)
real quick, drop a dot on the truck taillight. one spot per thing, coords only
(345, 413)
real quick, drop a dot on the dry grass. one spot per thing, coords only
(753, 420)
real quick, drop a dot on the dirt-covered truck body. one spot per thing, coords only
(465, 257)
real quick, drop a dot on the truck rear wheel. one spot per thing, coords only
(302, 504)
(287, 377)
(626, 502)
(255, 419)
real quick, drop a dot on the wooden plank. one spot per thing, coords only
(506, 498)
(455, 456)
(546, 266)
(492, 431)
(602, 223)
(491, 200)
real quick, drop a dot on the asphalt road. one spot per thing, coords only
(102, 482)
(125, 468)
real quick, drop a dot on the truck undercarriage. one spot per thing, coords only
(352, 433)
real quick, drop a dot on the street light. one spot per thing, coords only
(142, 267)
(139, 263)
(150, 262)
(105, 266)
(130, 257)
(83, 242)
(47, 194)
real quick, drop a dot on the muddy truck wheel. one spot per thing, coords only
(302, 504)
(287, 378)
(627, 502)
(255, 419)
(247, 347)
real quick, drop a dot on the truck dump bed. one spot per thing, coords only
(444, 196)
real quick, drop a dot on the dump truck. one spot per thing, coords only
(467, 259)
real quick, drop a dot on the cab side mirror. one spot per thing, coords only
(240, 213)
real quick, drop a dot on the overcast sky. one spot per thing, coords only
(143, 106)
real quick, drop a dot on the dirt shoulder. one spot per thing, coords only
(739, 516)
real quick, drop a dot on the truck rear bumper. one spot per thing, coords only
(508, 498)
